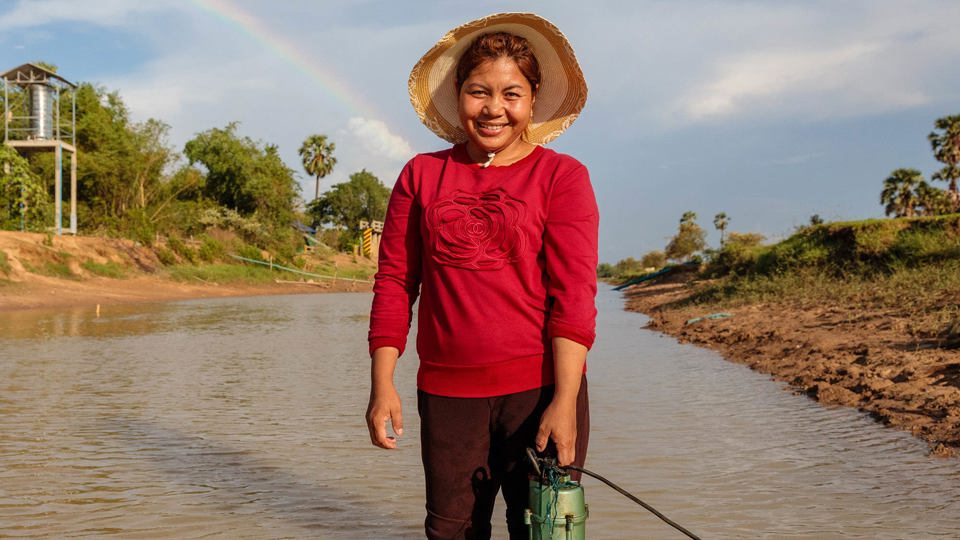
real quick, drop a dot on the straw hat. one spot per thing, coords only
(561, 96)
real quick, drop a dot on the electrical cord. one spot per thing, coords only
(633, 498)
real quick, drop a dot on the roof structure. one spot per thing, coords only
(32, 74)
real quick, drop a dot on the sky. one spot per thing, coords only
(770, 111)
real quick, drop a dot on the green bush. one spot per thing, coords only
(182, 250)
(850, 248)
(167, 257)
(210, 250)
(250, 252)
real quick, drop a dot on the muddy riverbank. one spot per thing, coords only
(838, 354)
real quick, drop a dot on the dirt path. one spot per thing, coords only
(837, 354)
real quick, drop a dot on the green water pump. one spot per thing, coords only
(557, 507)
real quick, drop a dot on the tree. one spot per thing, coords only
(24, 201)
(244, 175)
(898, 194)
(816, 220)
(628, 266)
(317, 156)
(690, 238)
(720, 221)
(654, 259)
(364, 197)
(932, 201)
(946, 148)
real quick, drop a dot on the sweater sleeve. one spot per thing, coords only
(570, 244)
(397, 282)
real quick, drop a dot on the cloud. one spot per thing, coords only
(889, 61)
(29, 14)
(377, 139)
(744, 80)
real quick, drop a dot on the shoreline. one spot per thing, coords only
(839, 355)
(43, 292)
(40, 271)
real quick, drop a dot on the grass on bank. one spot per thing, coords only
(908, 265)
(5, 267)
(57, 265)
(222, 273)
(109, 269)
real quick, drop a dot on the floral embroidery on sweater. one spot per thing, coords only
(477, 231)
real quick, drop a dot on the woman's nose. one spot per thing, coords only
(493, 106)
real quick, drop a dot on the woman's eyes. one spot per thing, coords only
(508, 95)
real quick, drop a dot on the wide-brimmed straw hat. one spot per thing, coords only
(560, 97)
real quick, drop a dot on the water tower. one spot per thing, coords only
(32, 123)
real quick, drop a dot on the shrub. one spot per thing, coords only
(210, 249)
(166, 256)
(182, 250)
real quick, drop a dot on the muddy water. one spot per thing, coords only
(242, 418)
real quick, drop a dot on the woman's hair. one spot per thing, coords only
(490, 47)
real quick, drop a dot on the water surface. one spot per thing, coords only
(243, 418)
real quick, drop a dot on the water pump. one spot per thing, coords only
(557, 508)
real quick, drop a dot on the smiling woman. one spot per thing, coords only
(498, 237)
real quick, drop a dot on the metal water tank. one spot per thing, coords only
(41, 111)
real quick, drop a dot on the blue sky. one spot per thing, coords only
(770, 111)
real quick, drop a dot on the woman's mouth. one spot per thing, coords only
(490, 128)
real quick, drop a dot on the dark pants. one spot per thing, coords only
(474, 447)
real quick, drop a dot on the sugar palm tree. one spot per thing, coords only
(318, 160)
(898, 193)
(946, 148)
(720, 221)
(932, 201)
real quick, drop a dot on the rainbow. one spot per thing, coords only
(335, 87)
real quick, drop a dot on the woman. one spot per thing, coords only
(498, 235)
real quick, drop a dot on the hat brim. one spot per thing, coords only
(560, 97)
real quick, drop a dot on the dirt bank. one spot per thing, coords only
(40, 271)
(837, 354)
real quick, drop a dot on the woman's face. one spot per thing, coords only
(496, 103)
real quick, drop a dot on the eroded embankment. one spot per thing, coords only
(43, 271)
(838, 354)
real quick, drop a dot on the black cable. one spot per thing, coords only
(628, 495)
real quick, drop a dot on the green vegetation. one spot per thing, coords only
(108, 269)
(222, 273)
(225, 191)
(57, 265)
(345, 205)
(316, 154)
(908, 264)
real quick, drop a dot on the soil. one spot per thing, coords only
(837, 354)
(22, 286)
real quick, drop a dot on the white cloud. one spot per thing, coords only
(28, 14)
(767, 75)
(377, 139)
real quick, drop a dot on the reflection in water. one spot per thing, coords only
(243, 418)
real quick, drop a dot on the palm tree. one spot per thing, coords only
(946, 148)
(720, 221)
(898, 194)
(932, 201)
(317, 156)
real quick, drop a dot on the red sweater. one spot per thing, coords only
(504, 258)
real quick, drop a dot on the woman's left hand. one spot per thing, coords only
(559, 423)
